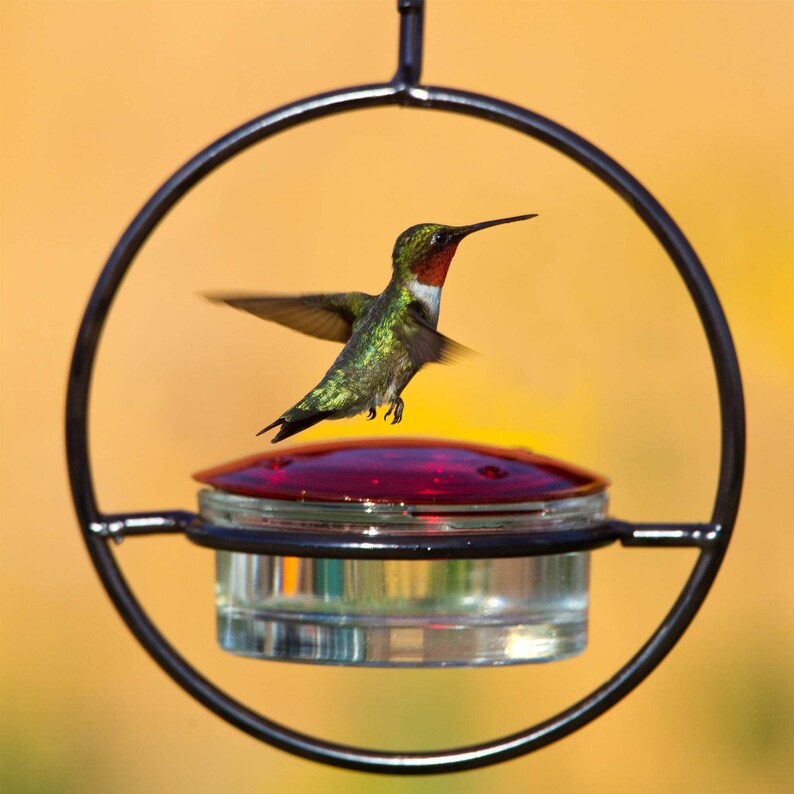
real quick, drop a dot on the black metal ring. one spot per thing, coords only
(722, 351)
(401, 546)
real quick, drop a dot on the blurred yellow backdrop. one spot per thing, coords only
(590, 351)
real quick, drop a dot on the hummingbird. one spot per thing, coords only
(387, 338)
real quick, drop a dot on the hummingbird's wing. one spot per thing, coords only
(329, 316)
(426, 345)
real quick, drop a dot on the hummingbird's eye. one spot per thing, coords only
(440, 238)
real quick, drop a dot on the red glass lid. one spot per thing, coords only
(403, 471)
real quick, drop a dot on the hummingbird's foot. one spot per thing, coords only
(372, 414)
(397, 407)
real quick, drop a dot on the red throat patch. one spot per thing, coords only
(433, 271)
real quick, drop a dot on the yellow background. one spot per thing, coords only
(590, 350)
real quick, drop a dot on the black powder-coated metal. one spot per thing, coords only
(711, 538)
(472, 544)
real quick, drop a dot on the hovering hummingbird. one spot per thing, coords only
(388, 337)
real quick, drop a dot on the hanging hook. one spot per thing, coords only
(412, 16)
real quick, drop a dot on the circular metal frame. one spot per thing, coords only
(712, 538)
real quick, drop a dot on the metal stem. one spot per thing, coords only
(412, 17)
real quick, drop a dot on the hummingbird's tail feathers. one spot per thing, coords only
(279, 421)
(291, 427)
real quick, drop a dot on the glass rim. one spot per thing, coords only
(223, 508)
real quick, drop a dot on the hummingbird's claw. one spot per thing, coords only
(372, 414)
(397, 407)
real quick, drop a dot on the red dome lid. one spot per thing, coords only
(403, 471)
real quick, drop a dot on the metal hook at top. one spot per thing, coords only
(412, 17)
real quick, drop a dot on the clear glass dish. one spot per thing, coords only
(402, 613)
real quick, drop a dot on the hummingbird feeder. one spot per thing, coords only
(501, 606)
(464, 555)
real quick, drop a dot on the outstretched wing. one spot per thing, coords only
(329, 316)
(425, 344)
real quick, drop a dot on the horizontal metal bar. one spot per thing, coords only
(121, 525)
(405, 545)
(401, 544)
(670, 535)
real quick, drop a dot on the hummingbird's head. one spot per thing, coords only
(425, 251)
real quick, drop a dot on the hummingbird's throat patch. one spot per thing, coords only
(433, 271)
(428, 295)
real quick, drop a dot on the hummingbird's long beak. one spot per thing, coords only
(486, 224)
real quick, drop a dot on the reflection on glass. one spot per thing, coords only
(402, 612)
